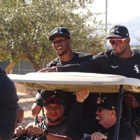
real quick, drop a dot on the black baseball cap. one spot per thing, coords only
(118, 31)
(61, 31)
(108, 102)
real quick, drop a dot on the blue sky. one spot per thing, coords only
(118, 10)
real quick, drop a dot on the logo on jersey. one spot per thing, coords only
(136, 68)
(114, 67)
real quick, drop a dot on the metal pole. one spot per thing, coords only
(120, 98)
(106, 4)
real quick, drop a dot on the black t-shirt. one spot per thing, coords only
(69, 97)
(8, 106)
(63, 128)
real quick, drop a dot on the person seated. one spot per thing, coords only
(68, 98)
(54, 123)
(103, 127)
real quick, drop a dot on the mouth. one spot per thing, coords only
(58, 48)
(98, 117)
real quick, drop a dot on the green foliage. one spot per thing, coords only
(25, 28)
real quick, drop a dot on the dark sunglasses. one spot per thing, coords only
(53, 100)
(117, 41)
(58, 41)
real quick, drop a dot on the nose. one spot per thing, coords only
(97, 112)
(114, 46)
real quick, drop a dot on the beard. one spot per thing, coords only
(120, 53)
(55, 121)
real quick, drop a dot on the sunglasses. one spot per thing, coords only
(58, 41)
(53, 100)
(117, 41)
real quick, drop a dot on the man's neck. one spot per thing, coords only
(67, 57)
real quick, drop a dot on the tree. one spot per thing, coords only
(25, 28)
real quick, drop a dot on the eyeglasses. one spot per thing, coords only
(53, 100)
(117, 41)
(57, 108)
(58, 41)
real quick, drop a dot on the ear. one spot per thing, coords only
(113, 113)
(128, 40)
(70, 41)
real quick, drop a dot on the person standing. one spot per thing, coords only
(8, 106)
(62, 44)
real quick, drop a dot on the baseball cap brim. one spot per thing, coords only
(57, 34)
(110, 36)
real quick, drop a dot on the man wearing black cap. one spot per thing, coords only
(103, 127)
(55, 122)
(61, 41)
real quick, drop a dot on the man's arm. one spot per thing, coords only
(76, 120)
(89, 66)
(35, 109)
(57, 137)
(37, 105)
(130, 100)
(20, 115)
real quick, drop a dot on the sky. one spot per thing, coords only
(118, 10)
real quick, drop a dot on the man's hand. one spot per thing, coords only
(33, 130)
(81, 95)
(20, 130)
(98, 136)
(20, 115)
(52, 69)
(130, 100)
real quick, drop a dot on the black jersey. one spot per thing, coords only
(78, 57)
(108, 63)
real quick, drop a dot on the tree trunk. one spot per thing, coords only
(10, 66)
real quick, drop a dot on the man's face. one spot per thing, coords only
(61, 45)
(104, 116)
(54, 113)
(119, 45)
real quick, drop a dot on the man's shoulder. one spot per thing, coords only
(104, 54)
(83, 55)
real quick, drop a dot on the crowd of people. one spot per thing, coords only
(69, 116)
